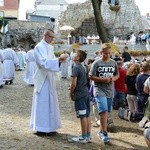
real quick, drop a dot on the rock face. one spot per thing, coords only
(81, 17)
(117, 23)
(23, 33)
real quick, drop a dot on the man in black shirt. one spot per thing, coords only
(125, 55)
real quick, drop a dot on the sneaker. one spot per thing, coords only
(143, 122)
(98, 122)
(104, 136)
(130, 114)
(79, 139)
(89, 139)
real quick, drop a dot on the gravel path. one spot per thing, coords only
(15, 134)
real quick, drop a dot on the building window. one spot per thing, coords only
(1, 2)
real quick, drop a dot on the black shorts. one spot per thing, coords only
(82, 107)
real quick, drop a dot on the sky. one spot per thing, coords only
(144, 6)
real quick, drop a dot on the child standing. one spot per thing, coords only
(130, 81)
(104, 72)
(80, 95)
(119, 99)
(140, 79)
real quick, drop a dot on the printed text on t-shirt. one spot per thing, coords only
(105, 71)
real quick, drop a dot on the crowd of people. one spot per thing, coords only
(12, 60)
(116, 82)
(134, 38)
(118, 85)
(89, 39)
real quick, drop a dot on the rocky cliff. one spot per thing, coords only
(117, 23)
(81, 17)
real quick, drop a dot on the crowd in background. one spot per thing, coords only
(134, 38)
(12, 60)
(131, 89)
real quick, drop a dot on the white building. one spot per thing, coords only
(50, 8)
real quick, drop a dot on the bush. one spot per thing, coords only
(134, 53)
(114, 48)
(58, 42)
(139, 53)
(58, 53)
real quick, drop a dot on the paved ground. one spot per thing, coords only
(15, 134)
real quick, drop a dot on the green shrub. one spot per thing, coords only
(135, 53)
(139, 52)
(114, 48)
(58, 53)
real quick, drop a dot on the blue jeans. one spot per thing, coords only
(141, 100)
(119, 99)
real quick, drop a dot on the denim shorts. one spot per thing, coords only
(104, 104)
(82, 107)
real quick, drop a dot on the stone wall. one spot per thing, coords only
(24, 33)
(121, 23)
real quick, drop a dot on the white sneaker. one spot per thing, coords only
(79, 139)
(98, 122)
(89, 139)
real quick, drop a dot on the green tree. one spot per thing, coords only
(99, 20)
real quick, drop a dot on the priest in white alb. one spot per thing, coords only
(31, 66)
(45, 114)
(10, 61)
